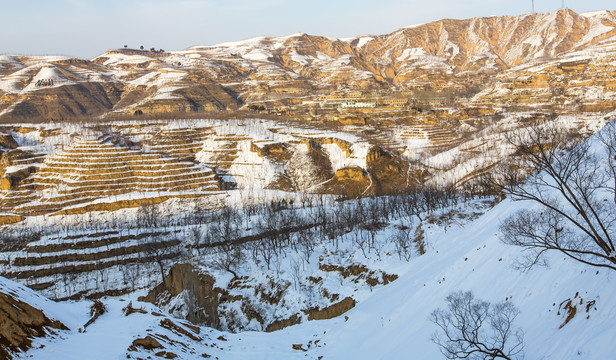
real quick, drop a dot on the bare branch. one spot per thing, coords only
(475, 329)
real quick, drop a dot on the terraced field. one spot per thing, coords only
(91, 175)
(80, 201)
(74, 264)
(427, 136)
(71, 170)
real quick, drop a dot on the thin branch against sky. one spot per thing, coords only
(86, 28)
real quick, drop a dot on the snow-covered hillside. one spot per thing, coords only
(392, 321)
(567, 309)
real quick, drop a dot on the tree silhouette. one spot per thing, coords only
(574, 186)
(475, 329)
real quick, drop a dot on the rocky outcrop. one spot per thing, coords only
(20, 324)
(7, 142)
(148, 343)
(26, 161)
(284, 323)
(193, 294)
(201, 297)
(353, 182)
(331, 311)
(276, 151)
(360, 272)
(13, 179)
(390, 173)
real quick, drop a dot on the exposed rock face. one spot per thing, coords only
(281, 324)
(358, 271)
(390, 174)
(12, 180)
(14, 157)
(193, 296)
(7, 142)
(331, 311)
(19, 324)
(200, 295)
(148, 343)
(353, 182)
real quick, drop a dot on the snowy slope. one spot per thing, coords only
(392, 323)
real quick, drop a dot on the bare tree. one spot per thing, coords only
(159, 254)
(228, 257)
(575, 189)
(148, 216)
(475, 329)
(403, 241)
(224, 232)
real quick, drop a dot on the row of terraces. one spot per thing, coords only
(474, 175)
(427, 136)
(89, 175)
(74, 264)
(222, 153)
(182, 143)
(385, 140)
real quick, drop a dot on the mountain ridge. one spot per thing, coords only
(447, 53)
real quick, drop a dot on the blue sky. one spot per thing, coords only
(86, 28)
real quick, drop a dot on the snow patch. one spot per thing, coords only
(411, 54)
(363, 41)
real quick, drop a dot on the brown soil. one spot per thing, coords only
(148, 343)
(331, 311)
(19, 324)
(281, 324)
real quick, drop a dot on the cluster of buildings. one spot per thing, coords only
(355, 101)
(359, 101)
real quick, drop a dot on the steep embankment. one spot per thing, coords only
(21, 319)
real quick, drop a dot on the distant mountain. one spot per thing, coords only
(232, 75)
